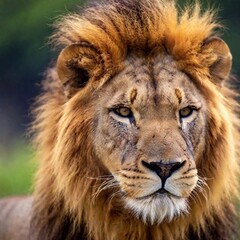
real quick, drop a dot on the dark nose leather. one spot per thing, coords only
(163, 170)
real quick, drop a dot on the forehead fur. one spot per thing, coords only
(116, 27)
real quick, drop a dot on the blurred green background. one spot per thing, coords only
(25, 26)
(24, 56)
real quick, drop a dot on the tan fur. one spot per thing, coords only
(151, 55)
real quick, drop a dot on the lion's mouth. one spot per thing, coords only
(154, 208)
(162, 192)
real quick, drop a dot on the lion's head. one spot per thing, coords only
(137, 129)
(150, 134)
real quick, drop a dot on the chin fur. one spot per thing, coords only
(155, 209)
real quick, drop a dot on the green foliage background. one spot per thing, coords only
(16, 171)
(25, 26)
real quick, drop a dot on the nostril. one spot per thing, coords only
(150, 166)
(153, 166)
(177, 166)
(145, 164)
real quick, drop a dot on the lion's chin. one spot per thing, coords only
(155, 209)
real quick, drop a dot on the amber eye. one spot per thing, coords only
(186, 112)
(123, 112)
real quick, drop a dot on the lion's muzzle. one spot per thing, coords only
(163, 170)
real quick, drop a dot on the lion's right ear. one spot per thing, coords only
(73, 69)
(221, 64)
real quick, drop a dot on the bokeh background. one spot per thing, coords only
(25, 26)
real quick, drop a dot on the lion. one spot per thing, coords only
(136, 129)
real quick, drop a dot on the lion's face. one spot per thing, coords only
(149, 134)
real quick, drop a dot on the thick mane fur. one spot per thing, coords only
(64, 206)
(117, 27)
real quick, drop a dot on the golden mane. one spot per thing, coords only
(65, 182)
(118, 27)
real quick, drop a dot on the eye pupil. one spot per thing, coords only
(125, 112)
(185, 112)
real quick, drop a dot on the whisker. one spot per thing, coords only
(107, 184)
(101, 177)
(119, 193)
(201, 187)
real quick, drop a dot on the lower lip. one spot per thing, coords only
(162, 191)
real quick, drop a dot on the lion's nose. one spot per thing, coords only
(163, 170)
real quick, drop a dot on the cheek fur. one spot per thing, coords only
(111, 142)
(194, 134)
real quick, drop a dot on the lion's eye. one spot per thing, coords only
(186, 112)
(123, 112)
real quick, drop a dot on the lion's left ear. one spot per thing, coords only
(221, 66)
(75, 65)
